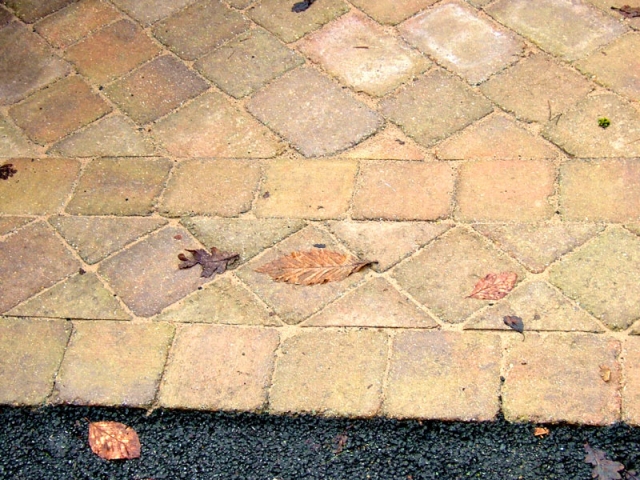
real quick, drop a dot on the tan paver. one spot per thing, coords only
(11, 224)
(446, 375)
(631, 386)
(113, 363)
(13, 143)
(32, 10)
(556, 378)
(330, 372)
(30, 353)
(390, 11)
(403, 191)
(389, 144)
(150, 11)
(227, 368)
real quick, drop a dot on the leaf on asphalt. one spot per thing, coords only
(514, 322)
(494, 286)
(113, 440)
(628, 11)
(603, 468)
(301, 6)
(312, 267)
(540, 432)
(212, 263)
(7, 170)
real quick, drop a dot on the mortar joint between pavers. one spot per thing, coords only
(357, 181)
(384, 384)
(272, 313)
(48, 398)
(261, 182)
(154, 404)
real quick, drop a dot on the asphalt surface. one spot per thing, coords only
(51, 443)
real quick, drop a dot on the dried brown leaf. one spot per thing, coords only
(603, 468)
(494, 286)
(7, 171)
(312, 267)
(113, 440)
(628, 11)
(540, 432)
(212, 263)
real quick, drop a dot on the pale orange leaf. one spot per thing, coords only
(113, 440)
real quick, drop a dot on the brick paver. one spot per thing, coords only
(32, 10)
(13, 143)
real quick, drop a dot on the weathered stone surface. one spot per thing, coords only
(149, 286)
(150, 11)
(443, 375)
(330, 372)
(317, 189)
(631, 389)
(32, 10)
(219, 368)
(95, 238)
(540, 307)
(443, 274)
(506, 190)
(481, 51)
(12, 142)
(577, 130)
(390, 11)
(31, 260)
(113, 363)
(313, 113)
(10, 224)
(40, 187)
(375, 304)
(248, 62)
(403, 191)
(30, 353)
(389, 144)
(211, 127)
(583, 27)
(211, 187)
(538, 246)
(556, 378)
(419, 110)
(119, 186)
(604, 277)
(362, 55)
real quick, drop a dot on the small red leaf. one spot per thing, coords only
(494, 286)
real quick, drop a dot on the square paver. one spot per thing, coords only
(313, 113)
(211, 187)
(113, 363)
(315, 189)
(19, 78)
(199, 28)
(119, 186)
(330, 372)
(506, 190)
(219, 368)
(30, 353)
(101, 57)
(403, 191)
(557, 378)
(362, 55)
(420, 111)
(631, 390)
(155, 89)
(248, 62)
(482, 50)
(391, 11)
(32, 10)
(58, 110)
(444, 376)
(150, 11)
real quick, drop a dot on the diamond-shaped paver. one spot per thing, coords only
(557, 378)
(443, 274)
(277, 17)
(13, 143)
(113, 363)
(420, 111)
(58, 110)
(211, 126)
(362, 55)
(32, 10)
(631, 390)
(11, 224)
(119, 186)
(604, 277)
(541, 308)
(147, 286)
(219, 368)
(95, 238)
(199, 28)
(302, 189)
(538, 246)
(211, 187)
(583, 28)
(330, 372)
(375, 304)
(30, 353)
(31, 260)
(19, 78)
(390, 11)
(248, 62)
(577, 130)
(150, 11)
(100, 56)
(537, 88)
(389, 144)
(155, 89)
(313, 113)
(482, 50)
(444, 375)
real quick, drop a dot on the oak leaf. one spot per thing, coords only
(603, 468)
(113, 440)
(494, 286)
(313, 267)
(212, 263)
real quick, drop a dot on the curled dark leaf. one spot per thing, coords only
(603, 468)
(7, 170)
(212, 263)
(628, 11)
(301, 6)
(514, 322)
